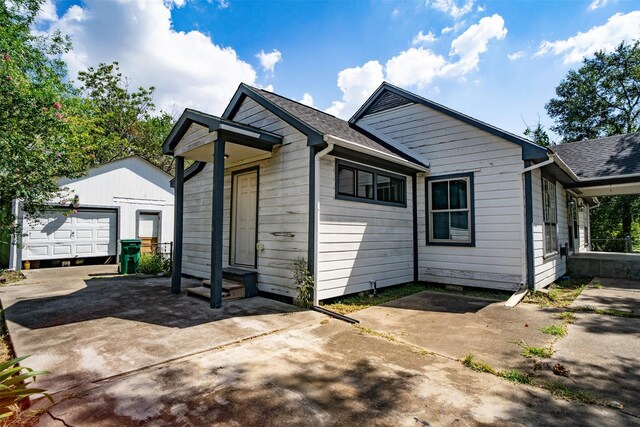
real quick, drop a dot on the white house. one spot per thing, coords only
(123, 199)
(406, 190)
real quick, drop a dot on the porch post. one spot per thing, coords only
(176, 276)
(216, 226)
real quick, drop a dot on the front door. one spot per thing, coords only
(244, 214)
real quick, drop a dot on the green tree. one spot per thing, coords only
(39, 139)
(123, 119)
(538, 135)
(602, 98)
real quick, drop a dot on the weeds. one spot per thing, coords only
(516, 376)
(559, 294)
(607, 312)
(304, 282)
(512, 375)
(562, 390)
(556, 330)
(368, 331)
(476, 365)
(11, 276)
(566, 317)
(531, 351)
(354, 303)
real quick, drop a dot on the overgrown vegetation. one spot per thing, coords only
(607, 312)
(353, 303)
(304, 282)
(556, 330)
(566, 317)
(154, 264)
(559, 294)
(470, 362)
(560, 389)
(10, 276)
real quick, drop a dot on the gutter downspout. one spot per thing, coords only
(316, 192)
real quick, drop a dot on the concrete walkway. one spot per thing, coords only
(124, 351)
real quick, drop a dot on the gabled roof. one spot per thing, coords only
(614, 156)
(390, 96)
(315, 124)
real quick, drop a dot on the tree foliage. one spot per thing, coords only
(38, 139)
(602, 98)
(123, 120)
(538, 135)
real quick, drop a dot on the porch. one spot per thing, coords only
(605, 264)
(202, 139)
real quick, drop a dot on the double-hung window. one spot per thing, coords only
(550, 217)
(361, 183)
(450, 216)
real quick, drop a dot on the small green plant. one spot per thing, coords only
(303, 279)
(14, 380)
(561, 390)
(470, 362)
(566, 317)
(516, 376)
(154, 264)
(556, 330)
(531, 351)
(607, 312)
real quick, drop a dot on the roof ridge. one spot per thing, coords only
(297, 102)
(622, 135)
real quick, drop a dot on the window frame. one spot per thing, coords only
(545, 221)
(430, 241)
(358, 167)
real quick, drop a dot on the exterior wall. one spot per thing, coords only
(129, 185)
(283, 206)
(549, 268)
(359, 242)
(584, 225)
(452, 146)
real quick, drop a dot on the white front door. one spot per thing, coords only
(245, 203)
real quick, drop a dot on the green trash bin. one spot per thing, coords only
(130, 255)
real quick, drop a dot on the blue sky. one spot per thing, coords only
(498, 61)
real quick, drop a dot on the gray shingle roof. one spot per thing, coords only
(602, 158)
(326, 124)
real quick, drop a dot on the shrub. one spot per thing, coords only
(154, 264)
(304, 282)
(14, 380)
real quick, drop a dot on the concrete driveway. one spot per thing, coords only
(124, 351)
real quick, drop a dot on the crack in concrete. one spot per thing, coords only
(59, 419)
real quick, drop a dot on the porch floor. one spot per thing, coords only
(605, 264)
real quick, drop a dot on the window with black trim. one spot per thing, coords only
(450, 210)
(361, 183)
(550, 217)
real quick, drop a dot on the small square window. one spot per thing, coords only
(361, 183)
(450, 210)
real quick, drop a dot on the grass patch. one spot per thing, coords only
(559, 294)
(352, 303)
(556, 330)
(516, 376)
(563, 391)
(531, 351)
(476, 365)
(607, 312)
(11, 276)
(566, 317)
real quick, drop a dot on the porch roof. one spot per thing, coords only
(604, 166)
(228, 129)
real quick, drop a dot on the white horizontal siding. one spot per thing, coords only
(359, 242)
(452, 146)
(282, 211)
(549, 268)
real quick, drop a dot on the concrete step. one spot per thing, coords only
(205, 293)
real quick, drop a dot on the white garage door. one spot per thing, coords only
(81, 235)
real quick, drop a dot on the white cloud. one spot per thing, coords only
(515, 55)
(597, 4)
(470, 44)
(269, 60)
(187, 68)
(450, 7)
(223, 4)
(481, 8)
(415, 66)
(395, 13)
(307, 99)
(356, 84)
(606, 37)
(456, 27)
(47, 12)
(421, 38)
(418, 66)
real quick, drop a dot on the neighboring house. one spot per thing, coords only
(123, 199)
(406, 190)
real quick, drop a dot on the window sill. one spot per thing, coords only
(550, 256)
(452, 243)
(371, 201)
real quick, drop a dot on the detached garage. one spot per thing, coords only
(124, 199)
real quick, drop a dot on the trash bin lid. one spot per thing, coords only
(131, 241)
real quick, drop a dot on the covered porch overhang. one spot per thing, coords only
(205, 138)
